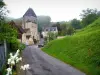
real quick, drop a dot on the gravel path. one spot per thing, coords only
(43, 64)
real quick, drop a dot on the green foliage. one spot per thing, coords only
(2, 4)
(70, 30)
(14, 46)
(3, 71)
(22, 46)
(76, 24)
(7, 32)
(88, 16)
(51, 36)
(57, 25)
(43, 21)
(81, 50)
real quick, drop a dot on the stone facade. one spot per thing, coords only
(29, 24)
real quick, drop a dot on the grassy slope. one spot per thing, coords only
(82, 50)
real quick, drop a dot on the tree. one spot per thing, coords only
(2, 4)
(51, 36)
(63, 29)
(57, 25)
(88, 16)
(70, 30)
(43, 21)
(76, 24)
(7, 33)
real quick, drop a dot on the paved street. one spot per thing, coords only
(43, 64)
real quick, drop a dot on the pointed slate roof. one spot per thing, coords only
(30, 12)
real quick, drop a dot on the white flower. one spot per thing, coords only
(18, 59)
(18, 51)
(13, 62)
(9, 61)
(16, 54)
(11, 54)
(9, 71)
(22, 67)
(25, 67)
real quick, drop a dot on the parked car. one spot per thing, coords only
(41, 43)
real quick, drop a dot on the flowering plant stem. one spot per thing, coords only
(25, 71)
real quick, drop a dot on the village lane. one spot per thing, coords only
(43, 64)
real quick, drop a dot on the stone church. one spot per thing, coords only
(29, 24)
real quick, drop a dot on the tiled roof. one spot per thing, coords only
(50, 29)
(19, 28)
(30, 12)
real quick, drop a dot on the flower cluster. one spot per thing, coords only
(12, 61)
(14, 58)
(25, 67)
(9, 71)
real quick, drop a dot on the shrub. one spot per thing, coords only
(22, 46)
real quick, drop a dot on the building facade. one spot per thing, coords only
(29, 24)
(46, 30)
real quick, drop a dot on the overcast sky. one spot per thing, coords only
(58, 10)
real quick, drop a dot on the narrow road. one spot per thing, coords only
(43, 64)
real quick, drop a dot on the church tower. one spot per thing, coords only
(29, 24)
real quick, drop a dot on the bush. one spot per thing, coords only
(14, 46)
(22, 46)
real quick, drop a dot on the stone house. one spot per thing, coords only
(29, 24)
(46, 30)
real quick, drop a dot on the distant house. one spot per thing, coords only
(20, 30)
(46, 30)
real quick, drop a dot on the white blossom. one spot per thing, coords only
(11, 54)
(14, 58)
(9, 71)
(18, 59)
(9, 61)
(25, 67)
(22, 67)
(13, 62)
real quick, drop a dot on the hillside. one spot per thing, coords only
(82, 50)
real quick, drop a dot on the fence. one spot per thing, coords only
(2, 56)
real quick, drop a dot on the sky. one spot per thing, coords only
(58, 10)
